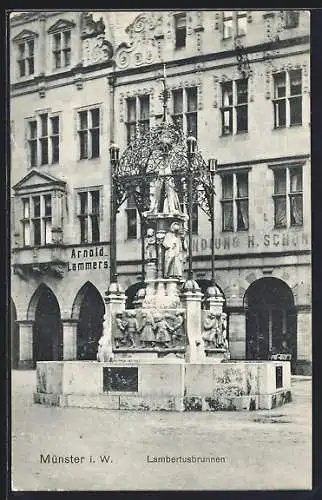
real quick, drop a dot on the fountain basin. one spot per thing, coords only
(164, 384)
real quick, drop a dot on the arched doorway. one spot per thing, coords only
(48, 329)
(14, 337)
(89, 309)
(270, 319)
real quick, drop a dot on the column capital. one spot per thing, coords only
(69, 321)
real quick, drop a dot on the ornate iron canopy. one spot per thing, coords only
(161, 151)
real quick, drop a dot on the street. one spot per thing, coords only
(61, 449)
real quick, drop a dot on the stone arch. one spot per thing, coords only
(88, 310)
(131, 292)
(80, 297)
(33, 303)
(271, 321)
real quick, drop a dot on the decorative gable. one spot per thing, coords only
(35, 179)
(25, 35)
(61, 25)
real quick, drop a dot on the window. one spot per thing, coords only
(234, 23)
(288, 197)
(138, 116)
(132, 218)
(61, 49)
(287, 100)
(185, 109)
(234, 107)
(26, 63)
(89, 216)
(180, 30)
(43, 139)
(89, 133)
(234, 202)
(37, 220)
(291, 19)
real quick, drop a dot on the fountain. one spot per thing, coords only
(168, 352)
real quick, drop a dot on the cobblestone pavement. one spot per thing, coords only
(267, 449)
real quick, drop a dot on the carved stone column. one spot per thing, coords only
(25, 344)
(114, 303)
(69, 339)
(304, 341)
(237, 333)
(191, 300)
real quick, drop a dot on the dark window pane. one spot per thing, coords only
(31, 65)
(22, 68)
(95, 201)
(66, 35)
(280, 84)
(291, 19)
(57, 41)
(37, 232)
(83, 120)
(47, 199)
(280, 181)
(21, 48)
(242, 91)
(95, 114)
(36, 202)
(227, 187)
(33, 153)
(296, 206)
(280, 211)
(144, 107)
(31, 46)
(95, 143)
(227, 216)
(296, 180)
(192, 124)
(44, 151)
(295, 110)
(83, 141)
(242, 118)
(242, 185)
(33, 129)
(55, 149)
(131, 110)
(44, 124)
(55, 125)
(67, 54)
(280, 113)
(177, 96)
(227, 94)
(192, 99)
(95, 229)
(83, 203)
(84, 229)
(242, 215)
(181, 37)
(295, 82)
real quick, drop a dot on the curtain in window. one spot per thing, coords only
(227, 187)
(280, 212)
(296, 210)
(228, 216)
(296, 180)
(242, 186)
(242, 214)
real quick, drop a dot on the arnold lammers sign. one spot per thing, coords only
(88, 258)
(257, 242)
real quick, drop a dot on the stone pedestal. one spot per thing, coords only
(69, 339)
(114, 303)
(237, 334)
(25, 344)
(215, 304)
(191, 300)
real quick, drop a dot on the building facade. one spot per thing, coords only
(240, 83)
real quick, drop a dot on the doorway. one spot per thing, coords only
(270, 319)
(48, 329)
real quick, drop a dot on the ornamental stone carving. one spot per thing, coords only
(96, 50)
(215, 330)
(139, 52)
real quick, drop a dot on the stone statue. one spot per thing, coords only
(224, 330)
(165, 198)
(119, 335)
(105, 351)
(210, 329)
(179, 334)
(174, 255)
(131, 328)
(162, 331)
(147, 338)
(150, 242)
